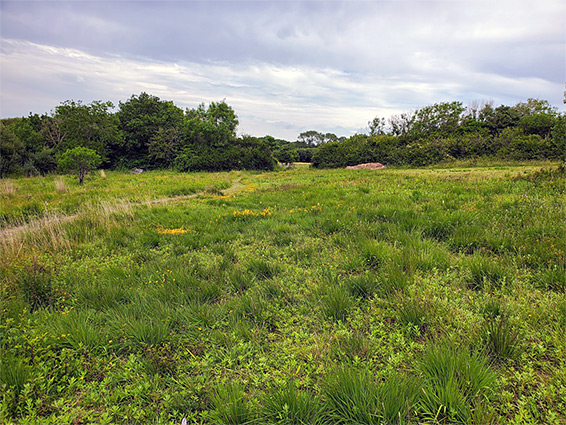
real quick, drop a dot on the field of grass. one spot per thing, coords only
(298, 297)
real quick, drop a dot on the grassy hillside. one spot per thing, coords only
(304, 296)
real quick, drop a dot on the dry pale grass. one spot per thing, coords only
(47, 233)
(60, 186)
(8, 188)
(54, 232)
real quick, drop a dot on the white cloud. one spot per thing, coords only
(285, 67)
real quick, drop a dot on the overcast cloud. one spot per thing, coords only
(286, 66)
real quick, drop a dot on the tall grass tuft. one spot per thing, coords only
(399, 397)
(499, 338)
(362, 286)
(14, 372)
(351, 346)
(414, 312)
(485, 271)
(337, 302)
(35, 283)
(376, 253)
(75, 329)
(262, 269)
(393, 280)
(8, 188)
(230, 406)
(290, 405)
(354, 397)
(351, 397)
(553, 278)
(60, 186)
(456, 384)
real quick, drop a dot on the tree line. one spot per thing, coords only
(447, 131)
(147, 132)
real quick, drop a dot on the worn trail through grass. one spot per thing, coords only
(56, 218)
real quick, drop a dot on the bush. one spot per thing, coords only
(79, 161)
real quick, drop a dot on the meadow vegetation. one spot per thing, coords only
(431, 295)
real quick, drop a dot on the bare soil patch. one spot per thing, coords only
(367, 166)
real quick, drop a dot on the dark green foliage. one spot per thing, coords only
(90, 126)
(142, 119)
(443, 132)
(12, 152)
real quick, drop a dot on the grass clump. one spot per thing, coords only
(356, 397)
(457, 383)
(499, 338)
(231, 406)
(292, 406)
(485, 271)
(337, 302)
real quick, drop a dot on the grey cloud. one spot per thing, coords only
(333, 64)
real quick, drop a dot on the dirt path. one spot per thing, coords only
(53, 219)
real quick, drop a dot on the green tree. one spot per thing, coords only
(214, 126)
(140, 119)
(75, 124)
(440, 119)
(164, 147)
(12, 151)
(79, 161)
(376, 126)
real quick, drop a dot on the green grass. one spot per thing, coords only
(301, 296)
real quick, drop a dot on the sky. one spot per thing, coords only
(284, 66)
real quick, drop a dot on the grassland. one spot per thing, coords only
(396, 296)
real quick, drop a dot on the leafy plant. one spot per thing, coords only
(79, 161)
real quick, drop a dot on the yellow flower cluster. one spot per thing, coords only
(317, 207)
(250, 213)
(266, 212)
(179, 231)
(160, 279)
